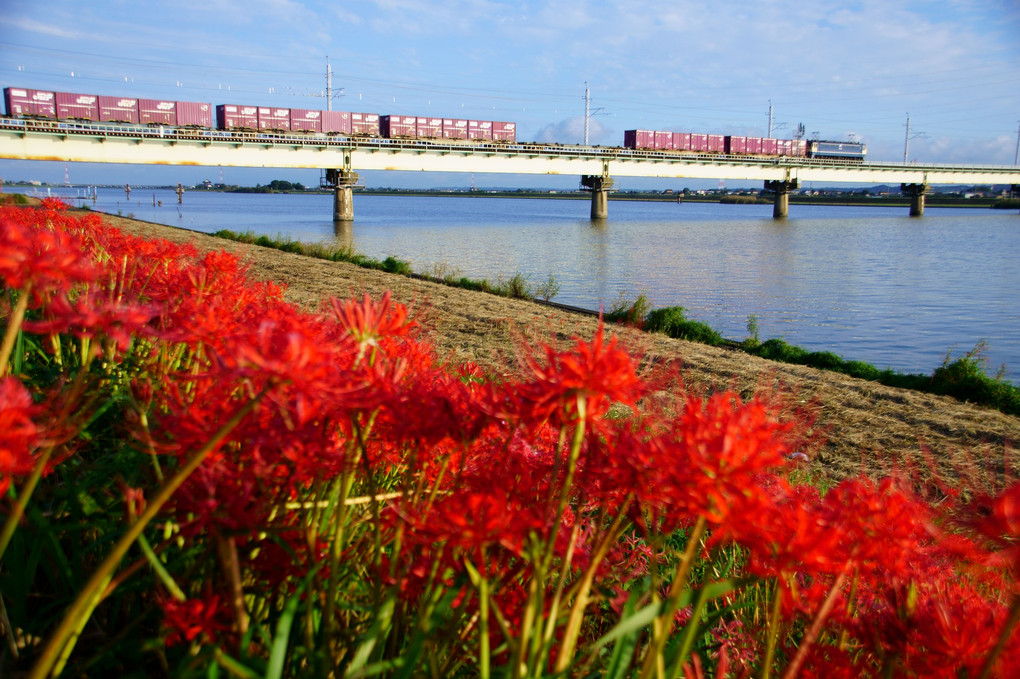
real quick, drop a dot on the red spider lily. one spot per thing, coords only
(369, 324)
(996, 520)
(474, 519)
(19, 436)
(90, 317)
(583, 382)
(201, 620)
(46, 260)
(709, 464)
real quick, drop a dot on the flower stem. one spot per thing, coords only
(13, 327)
(11, 524)
(62, 642)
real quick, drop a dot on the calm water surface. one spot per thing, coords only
(867, 283)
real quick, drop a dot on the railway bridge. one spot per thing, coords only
(343, 158)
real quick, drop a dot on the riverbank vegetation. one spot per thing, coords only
(517, 286)
(964, 378)
(200, 479)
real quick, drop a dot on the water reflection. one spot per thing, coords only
(343, 234)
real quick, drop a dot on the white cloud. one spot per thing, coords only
(27, 25)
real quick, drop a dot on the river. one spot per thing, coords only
(868, 283)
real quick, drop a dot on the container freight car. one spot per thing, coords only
(429, 127)
(504, 131)
(455, 128)
(77, 106)
(336, 122)
(157, 112)
(118, 110)
(305, 120)
(398, 127)
(30, 103)
(236, 117)
(365, 124)
(272, 119)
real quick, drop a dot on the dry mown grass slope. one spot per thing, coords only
(862, 426)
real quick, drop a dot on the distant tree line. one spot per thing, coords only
(275, 186)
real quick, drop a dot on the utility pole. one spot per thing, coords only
(329, 86)
(1016, 156)
(907, 138)
(770, 119)
(587, 110)
(906, 141)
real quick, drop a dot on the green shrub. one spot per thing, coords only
(826, 360)
(546, 291)
(671, 321)
(394, 265)
(965, 379)
(517, 287)
(776, 349)
(629, 313)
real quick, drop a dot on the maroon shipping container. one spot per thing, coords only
(336, 122)
(799, 148)
(305, 120)
(429, 128)
(77, 106)
(37, 103)
(274, 119)
(365, 123)
(699, 142)
(118, 110)
(681, 141)
(398, 127)
(716, 143)
(663, 141)
(194, 114)
(769, 147)
(502, 131)
(234, 117)
(754, 146)
(479, 129)
(157, 112)
(736, 146)
(638, 139)
(455, 128)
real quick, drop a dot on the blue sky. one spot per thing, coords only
(840, 68)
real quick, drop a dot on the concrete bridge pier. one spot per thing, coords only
(599, 186)
(781, 189)
(1014, 191)
(342, 182)
(916, 193)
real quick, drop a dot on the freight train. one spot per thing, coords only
(187, 115)
(731, 145)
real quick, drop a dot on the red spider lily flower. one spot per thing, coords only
(474, 519)
(93, 316)
(19, 436)
(996, 520)
(199, 620)
(593, 376)
(710, 464)
(49, 261)
(368, 323)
